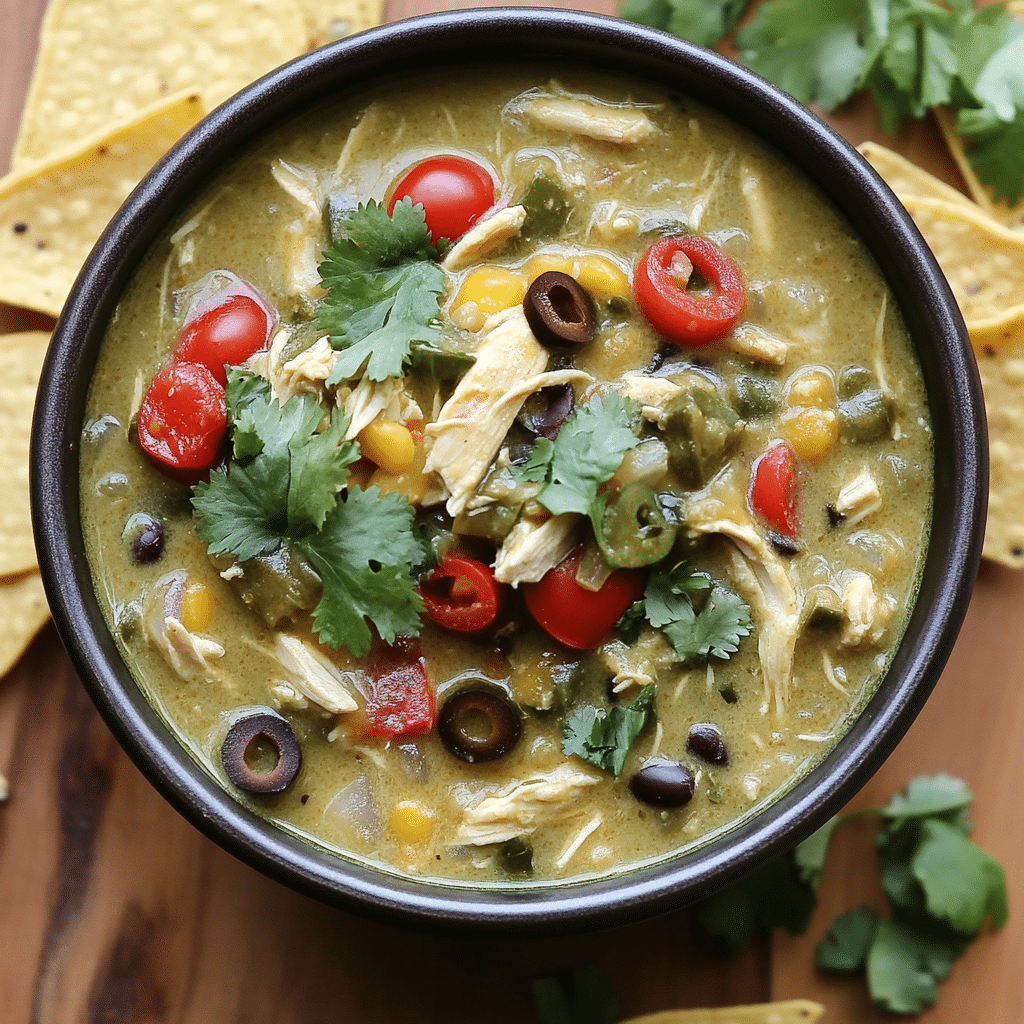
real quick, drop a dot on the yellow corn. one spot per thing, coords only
(388, 444)
(492, 289)
(811, 432)
(413, 482)
(545, 261)
(411, 822)
(197, 608)
(602, 277)
(812, 389)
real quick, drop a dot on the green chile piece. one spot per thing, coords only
(547, 209)
(634, 531)
(515, 857)
(491, 522)
(277, 586)
(702, 432)
(822, 608)
(866, 417)
(755, 396)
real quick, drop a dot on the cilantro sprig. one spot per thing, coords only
(285, 485)
(582, 995)
(383, 283)
(909, 55)
(603, 736)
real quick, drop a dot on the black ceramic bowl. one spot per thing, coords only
(559, 38)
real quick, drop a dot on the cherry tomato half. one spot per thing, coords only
(575, 616)
(461, 594)
(225, 334)
(454, 193)
(688, 318)
(399, 698)
(183, 421)
(773, 489)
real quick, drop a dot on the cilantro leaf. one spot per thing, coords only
(603, 736)
(587, 452)
(383, 284)
(809, 856)
(846, 944)
(584, 996)
(994, 152)
(703, 22)
(667, 592)
(929, 795)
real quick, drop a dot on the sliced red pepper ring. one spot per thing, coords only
(773, 493)
(688, 317)
(461, 594)
(399, 698)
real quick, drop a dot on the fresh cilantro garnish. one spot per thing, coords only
(285, 486)
(909, 55)
(714, 631)
(603, 736)
(585, 454)
(940, 887)
(582, 996)
(383, 284)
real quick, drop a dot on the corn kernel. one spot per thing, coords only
(812, 433)
(197, 608)
(492, 289)
(388, 444)
(413, 482)
(542, 262)
(602, 277)
(411, 822)
(812, 389)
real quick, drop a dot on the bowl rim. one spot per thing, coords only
(460, 38)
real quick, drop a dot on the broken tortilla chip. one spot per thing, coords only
(103, 63)
(23, 611)
(52, 212)
(905, 178)
(791, 1011)
(1001, 211)
(21, 357)
(327, 20)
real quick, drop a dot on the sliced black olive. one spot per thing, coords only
(146, 536)
(663, 783)
(559, 311)
(261, 754)
(634, 531)
(705, 741)
(479, 724)
(545, 411)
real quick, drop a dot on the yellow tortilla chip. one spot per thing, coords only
(21, 357)
(327, 20)
(23, 611)
(1009, 216)
(104, 62)
(791, 1011)
(1002, 379)
(905, 178)
(52, 213)
(982, 260)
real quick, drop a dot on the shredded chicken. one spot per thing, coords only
(484, 237)
(858, 498)
(754, 342)
(188, 654)
(638, 664)
(384, 399)
(313, 675)
(305, 373)
(655, 393)
(867, 616)
(521, 806)
(622, 125)
(531, 548)
(301, 239)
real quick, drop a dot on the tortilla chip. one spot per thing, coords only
(103, 63)
(327, 20)
(982, 260)
(23, 611)
(1008, 216)
(21, 357)
(52, 213)
(906, 178)
(792, 1011)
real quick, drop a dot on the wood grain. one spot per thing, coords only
(113, 909)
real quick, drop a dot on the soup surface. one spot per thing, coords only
(537, 555)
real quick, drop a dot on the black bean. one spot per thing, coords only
(705, 741)
(147, 536)
(241, 747)
(663, 783)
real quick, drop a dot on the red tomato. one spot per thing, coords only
(183, 421)
(399, 698)
(454, 193)
(575, 616)
(225, 335)
(688, 318)
(461, 594)
(773, 489)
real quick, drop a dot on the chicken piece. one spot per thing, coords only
(655, 393)
(858, 498)
(313, 675)
(304, 374)
(867, 615)
(531, 548)
(373, 399)
(639, 664)
(300, 241)
(189, 655)
(474, 421)
(753, 342)
(521, 806)
(621, 125)
(484, 237)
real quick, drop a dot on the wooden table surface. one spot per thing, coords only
(114, 909)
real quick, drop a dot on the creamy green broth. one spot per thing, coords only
(816, 306)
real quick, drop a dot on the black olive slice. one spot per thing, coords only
(663, 783)
(559, 311)
(705, 741)
(241, 745)
(479, 724)
(544, 412)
